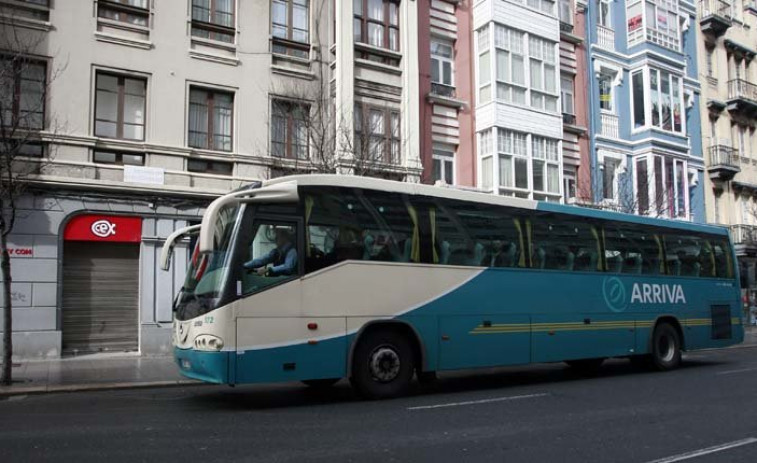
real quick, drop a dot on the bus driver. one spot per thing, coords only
(283, 258)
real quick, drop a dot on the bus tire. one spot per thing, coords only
(586, 366)
(666, 348)
(383, 365)
(320, 383)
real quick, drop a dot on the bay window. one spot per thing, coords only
(511, 72)
(484, 66)
(543, 74)
(485, 146)
(545, 165)
(637, 88)
(662, 186)
(513, 159)
(545, 6)
(663, 107)
(656, 21)
(611, 169)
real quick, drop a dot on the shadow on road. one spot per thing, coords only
(292, 395)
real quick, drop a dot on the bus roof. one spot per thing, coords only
(450, 192)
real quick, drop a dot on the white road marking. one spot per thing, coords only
(476, 402)
(730, 372)
(707, 451)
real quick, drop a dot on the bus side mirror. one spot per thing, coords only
(167, 252)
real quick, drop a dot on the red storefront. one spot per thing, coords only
(100, 298)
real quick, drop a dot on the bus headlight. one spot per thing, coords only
(208, 342)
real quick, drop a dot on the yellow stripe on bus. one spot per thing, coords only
(500, 328)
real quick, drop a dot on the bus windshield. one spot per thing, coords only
(207, 273)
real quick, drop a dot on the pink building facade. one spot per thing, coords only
(447, 139)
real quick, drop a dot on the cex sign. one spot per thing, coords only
(110, 228)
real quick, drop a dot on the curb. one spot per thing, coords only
(36, 390)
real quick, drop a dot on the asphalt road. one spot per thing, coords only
(540, 413)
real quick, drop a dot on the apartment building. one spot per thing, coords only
(144, 110)
(644, 94)
(518, 121)
(573, 97)
(726, 49)
(446, 92)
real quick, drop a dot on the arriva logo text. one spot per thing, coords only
(646, 293)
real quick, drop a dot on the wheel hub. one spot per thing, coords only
(384, 364)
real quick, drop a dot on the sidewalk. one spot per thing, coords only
(112, 371)
(93, 372)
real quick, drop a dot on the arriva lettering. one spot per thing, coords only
(647, 293)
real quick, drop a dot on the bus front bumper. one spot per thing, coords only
(211, 367)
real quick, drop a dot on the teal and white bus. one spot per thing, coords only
(380, 281)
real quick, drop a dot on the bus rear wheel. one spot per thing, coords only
(383, 365)
(666, 348)
(320, 383)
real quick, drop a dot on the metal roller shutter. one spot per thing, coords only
(100, 297)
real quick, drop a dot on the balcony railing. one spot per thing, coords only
(610, 125)
(605, 37)
(719, 8)
(741, 89)
(446, 91)
(744, 234)
(724, 162)
(722, 155)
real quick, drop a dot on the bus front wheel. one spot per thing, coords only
(383, 365)
(666, 348)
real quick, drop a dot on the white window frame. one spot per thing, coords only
(542, 57)
(605, 21)
(663, 37)
(654, 198)
(438, 61)
(445, 154)
(514, 154)
(570, 176)
(504, 40)
(482, 79)
(648, 109)
(567, 95)
(548, 162)
(621, 160)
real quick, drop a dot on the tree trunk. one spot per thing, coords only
(5, 266)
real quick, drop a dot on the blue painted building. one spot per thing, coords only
(645, 127)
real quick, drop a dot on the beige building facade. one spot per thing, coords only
(149, 108)
(727, 48)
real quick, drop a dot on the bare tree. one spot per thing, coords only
(24, 127)
(326, 137)
(642, 200)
